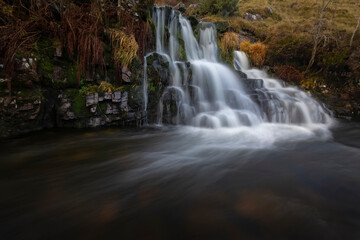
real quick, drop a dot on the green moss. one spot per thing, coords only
(79, 105)
(71, 75)
(78, 102)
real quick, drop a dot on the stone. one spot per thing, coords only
(253, 17)
(69, 115)
(126, 74)
(180, 7)
(65, 107)
(269, 9)
(116, 96)
(124, 102)
(58, 51)
(95, 122)
(194, 6)
(26, 107)
(107, 96)
(92, 99)
(93, 108)
(125, 78)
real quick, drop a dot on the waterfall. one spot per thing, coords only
(216, 96)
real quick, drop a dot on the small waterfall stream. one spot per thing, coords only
(216, 96)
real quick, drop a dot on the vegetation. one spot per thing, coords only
(125, 48)
(256, 52)
(223, 7)
(229, 43)
(86, 30)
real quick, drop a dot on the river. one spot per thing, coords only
(182, 183)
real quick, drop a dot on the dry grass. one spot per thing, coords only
(289, 74)
(125, 48)
(229, 43)
(256, 52)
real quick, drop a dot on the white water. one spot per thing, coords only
(217, 97)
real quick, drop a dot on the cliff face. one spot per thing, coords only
(74, 65)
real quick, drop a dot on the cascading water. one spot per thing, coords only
(216, 96)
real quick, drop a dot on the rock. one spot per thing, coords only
(26, 107)
(64, 107)
(124, 102)
(93, 108)
(92, 99)
(253, 17)
(95, 122)
(116, 96)
(69, 115)
(126, 74)
(194, 6)
(180, 7)
(193, 21)
(107, 96)
(58, 51)
(269, 9)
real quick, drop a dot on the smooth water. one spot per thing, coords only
(182, 183)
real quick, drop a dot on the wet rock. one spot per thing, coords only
(95, 122)
(193, 21)
(26, 107)
(107, 96)
(92, 99)
(124, 102)
(69, 115)
(58, 51)
(116, 97)
(126, 74)
(93, 108)
(253, 17)
(180, 7)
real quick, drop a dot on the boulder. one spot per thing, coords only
(180, 7)
(253, 17)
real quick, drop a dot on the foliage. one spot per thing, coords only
(83, 35)
(256, 52)
(289, 74)
(229, 43)
(106, 87)
(125, 48)
(223, 7)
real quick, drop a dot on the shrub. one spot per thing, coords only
(288, 74)
(223, 7)
(229, 43)
(256, 52)
(125, 48)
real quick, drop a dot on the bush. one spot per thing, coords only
(256, 52)
(229, 43)
(223, 7)
(288, 74)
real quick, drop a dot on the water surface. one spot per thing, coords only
(265, 182)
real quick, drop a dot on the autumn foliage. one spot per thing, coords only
(288, 74)
(256, 52)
